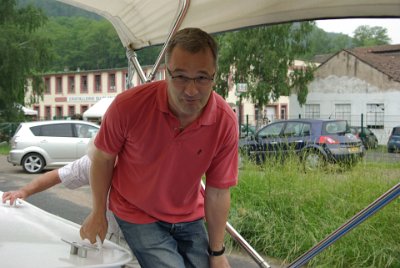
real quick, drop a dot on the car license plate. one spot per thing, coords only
(354, 150)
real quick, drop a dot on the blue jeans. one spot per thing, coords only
(162, 244)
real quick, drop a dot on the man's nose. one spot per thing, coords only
(191, 89)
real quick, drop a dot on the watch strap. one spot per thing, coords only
(216, 253)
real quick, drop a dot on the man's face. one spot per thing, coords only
(186, 97)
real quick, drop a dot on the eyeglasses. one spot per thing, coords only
(200, 81)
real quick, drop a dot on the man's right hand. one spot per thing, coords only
(95, 224)
(13, 195)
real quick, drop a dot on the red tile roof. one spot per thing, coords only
(385, 58)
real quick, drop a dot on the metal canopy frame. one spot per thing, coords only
(357, 219)
(132, 56)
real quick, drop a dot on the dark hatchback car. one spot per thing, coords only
(247, 130)
(316, 141)
(368, 138)
(393, 144)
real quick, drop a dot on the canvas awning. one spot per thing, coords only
(98, 109)
(141, 23)
(26, 111)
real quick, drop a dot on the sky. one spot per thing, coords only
(347, 26)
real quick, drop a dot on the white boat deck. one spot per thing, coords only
(31, 237)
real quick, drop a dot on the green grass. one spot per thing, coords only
(4, 148)
(282, 212)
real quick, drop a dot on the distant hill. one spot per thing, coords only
(78, 37)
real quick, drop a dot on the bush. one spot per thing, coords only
(7, 130)
(4, 148)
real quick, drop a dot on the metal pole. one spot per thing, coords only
(379, 203)
(362, 123)
(132, 56)
(246, 246)
(243, 243)
(184, 8)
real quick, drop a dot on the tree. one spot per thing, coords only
(365, 36)
(321, 42)
(23, 55)
(84, 43)
(262, 58)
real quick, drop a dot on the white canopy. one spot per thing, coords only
(25, 110)
(28, 111)
(98, 109)
(141, 23)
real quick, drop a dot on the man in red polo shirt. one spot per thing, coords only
(167, 135)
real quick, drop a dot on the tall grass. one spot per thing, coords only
(282, 212)
(4, 148)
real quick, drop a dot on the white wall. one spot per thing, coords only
(358, 93)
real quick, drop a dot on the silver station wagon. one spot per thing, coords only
(36, 145)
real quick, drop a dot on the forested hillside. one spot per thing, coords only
(86, 41)
(83, 40)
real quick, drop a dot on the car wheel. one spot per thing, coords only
(33, 163)
(313, 161)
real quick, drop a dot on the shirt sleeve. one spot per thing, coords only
(223, 171)
(75, 174)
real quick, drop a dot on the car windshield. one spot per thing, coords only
(396, 131)
(271, 131)
(336, 127)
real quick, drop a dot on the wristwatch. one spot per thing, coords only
(216, 253)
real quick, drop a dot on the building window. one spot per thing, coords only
(84, 108)
(283, 112)
(59, 89)
(37, 109)
(84, 84)
(71, 110)
(59, 112)
(47, 89)
(125, 81)
(97, 83)
(71, 84)
(312, 111)
(343, 111)
(375, 115)
(111, 83)
(47, 112)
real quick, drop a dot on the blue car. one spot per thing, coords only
(393, 144)
(316, 141)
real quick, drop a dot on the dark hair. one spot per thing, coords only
(192, 40)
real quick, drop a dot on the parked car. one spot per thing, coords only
(393, 144)
(316, 141)
(36, 145)
(247, 130)
(367, 137)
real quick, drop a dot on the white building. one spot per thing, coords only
(73, 92)
(361, 83)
